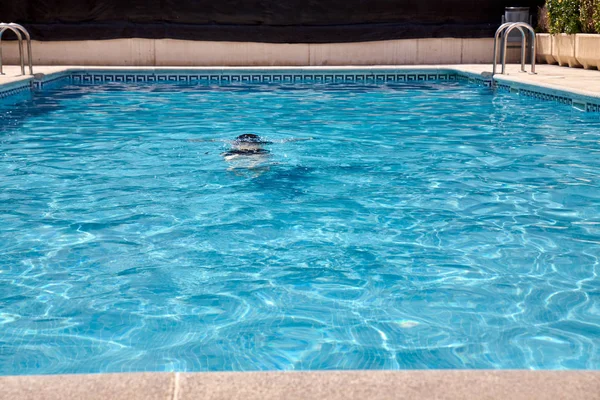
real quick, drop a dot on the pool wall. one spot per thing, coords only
(584, 100)
(170, 52)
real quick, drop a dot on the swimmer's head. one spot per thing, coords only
(249, 141)
(248, 138)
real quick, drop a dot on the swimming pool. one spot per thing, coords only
(418, 225)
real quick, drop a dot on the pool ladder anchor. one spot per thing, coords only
(502, 34)
(19, 31)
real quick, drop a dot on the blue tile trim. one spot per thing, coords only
(11, 92)
(43, 84)
(501, 88)
(546, 96)
(259, 77)
(477, 81)
(295, 76)
(590, 107)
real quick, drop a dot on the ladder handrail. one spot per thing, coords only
(504, 30)
(521, 25)
(20, 38)
(26, 33)
(500, 31)
(17, 29)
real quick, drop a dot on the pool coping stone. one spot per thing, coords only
(330, 385)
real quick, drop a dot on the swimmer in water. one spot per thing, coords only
(246, 145)
(247, 152)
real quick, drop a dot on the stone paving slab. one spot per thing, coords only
(326, 385)
(143, 386)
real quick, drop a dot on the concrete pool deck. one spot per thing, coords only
(334, 385)
(579, 81)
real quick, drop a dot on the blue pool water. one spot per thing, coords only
(430, 225)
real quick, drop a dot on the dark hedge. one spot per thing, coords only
(292, 21)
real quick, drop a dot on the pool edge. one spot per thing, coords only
(582, 100)
(331, 385)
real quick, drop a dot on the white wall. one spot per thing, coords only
(170, 52)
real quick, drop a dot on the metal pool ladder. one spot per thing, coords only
(18, 30)
(502, 34)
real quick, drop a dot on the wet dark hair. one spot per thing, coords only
(251, 138)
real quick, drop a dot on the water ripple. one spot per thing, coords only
(424, 226)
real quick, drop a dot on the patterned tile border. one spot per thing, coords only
(535, 94)
(473, 79)
(52, 81)
(4, 93)
(219, 77)
(228, 76)
(501, 88)
(546, 96)
(590, 107)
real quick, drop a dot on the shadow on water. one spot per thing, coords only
(280, 181)
(14, 115)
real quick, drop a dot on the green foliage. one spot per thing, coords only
(543, 22)
(586, 15)
(596, 16)
(570, 16)
(564, 16)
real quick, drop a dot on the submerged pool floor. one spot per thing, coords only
(433, 225)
